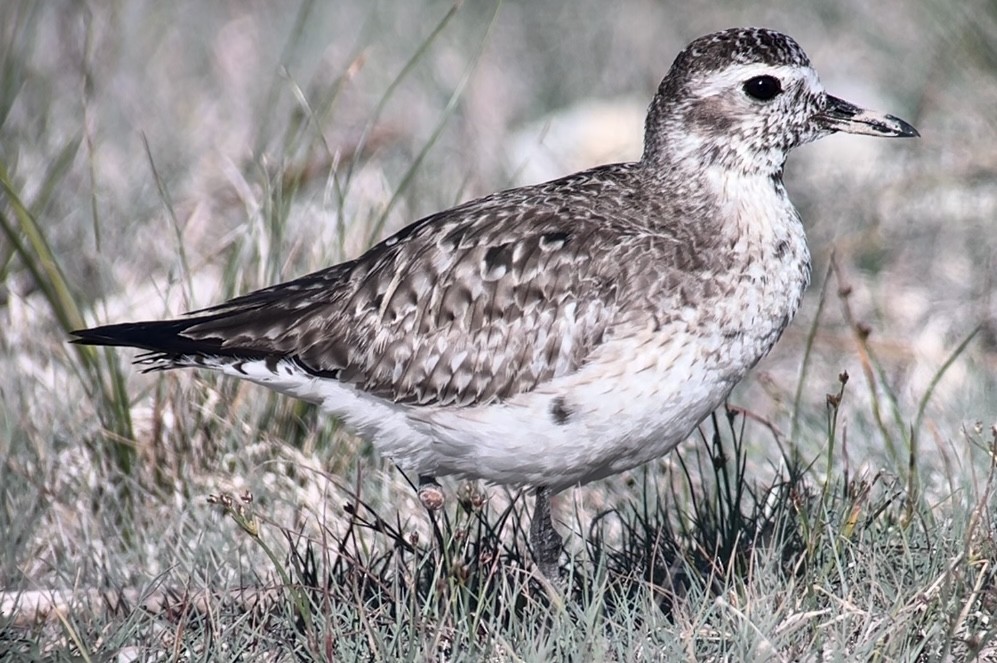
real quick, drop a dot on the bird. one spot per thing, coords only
(554, 334)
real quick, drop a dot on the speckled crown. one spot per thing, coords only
(741, 46)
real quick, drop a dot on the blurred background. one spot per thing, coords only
(172, 154)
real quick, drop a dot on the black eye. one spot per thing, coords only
(762, 88)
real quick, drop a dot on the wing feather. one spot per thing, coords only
(488, 309)
(469, 306)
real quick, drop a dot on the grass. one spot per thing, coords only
(155, 158)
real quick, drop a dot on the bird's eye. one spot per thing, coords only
(762, 88)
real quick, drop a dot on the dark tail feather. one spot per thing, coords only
(156, 336)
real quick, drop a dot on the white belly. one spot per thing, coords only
(628, 407)
(575, 429)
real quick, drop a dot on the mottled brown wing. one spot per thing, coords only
(471, 306)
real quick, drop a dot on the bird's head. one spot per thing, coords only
(742, 99)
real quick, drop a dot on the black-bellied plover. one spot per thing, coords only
(554, 334)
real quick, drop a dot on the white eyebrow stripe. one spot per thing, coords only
(719, 81)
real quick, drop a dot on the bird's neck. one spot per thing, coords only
(718, 182)
(740, 206)
(673, 145)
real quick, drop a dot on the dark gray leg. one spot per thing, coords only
(544, 539)
(430, 493)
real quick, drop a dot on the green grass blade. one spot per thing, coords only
(30, 245)
(164, 195)
(936, 378)
(378, 226)
(807, 352)
(37, 256)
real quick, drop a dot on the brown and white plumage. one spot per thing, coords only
(553, 334)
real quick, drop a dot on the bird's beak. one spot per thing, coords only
(839, 115)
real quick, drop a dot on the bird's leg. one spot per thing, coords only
(544, 539)
(430, 493)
